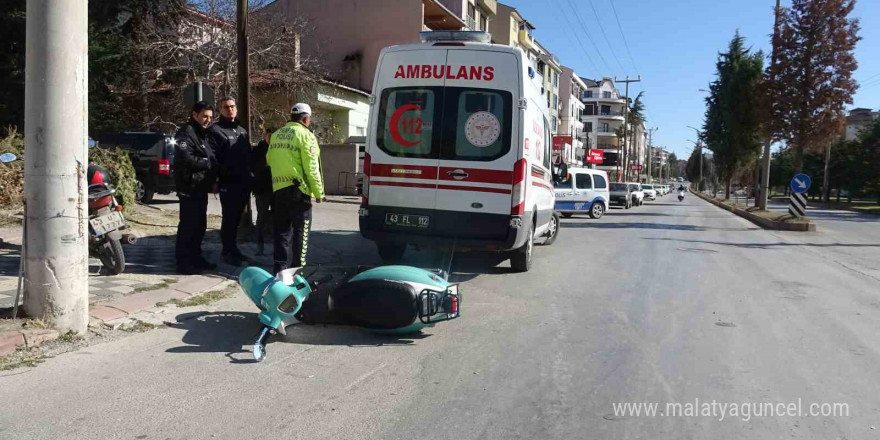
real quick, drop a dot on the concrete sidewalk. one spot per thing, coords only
(150, 275)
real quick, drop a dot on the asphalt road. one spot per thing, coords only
(667, 303)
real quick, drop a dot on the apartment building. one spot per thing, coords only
(859, 119)
(510, 28)
(347, 35)
(603, 119)
(549, 71)
(571, 127)
(477, 14)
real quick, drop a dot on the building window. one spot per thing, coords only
(604, 128)
(471, 16)
(590, 110)
(588, 93)
(555, 79)
(555, 101)
(588, 127)
(606, 95)
(484, 22)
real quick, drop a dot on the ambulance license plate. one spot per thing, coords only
(414, 221)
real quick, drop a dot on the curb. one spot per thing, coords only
(11, 341)
(113, 311)
(343, 201)
(758, 220)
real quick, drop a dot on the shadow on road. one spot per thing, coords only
(768, 245)
(640, 225)
(233, 332)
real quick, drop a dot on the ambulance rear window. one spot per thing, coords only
(407, 117)
(477, 124)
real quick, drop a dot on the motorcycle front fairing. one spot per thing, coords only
(278, 297)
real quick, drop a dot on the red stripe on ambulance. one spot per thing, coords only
(478, 175)
(404, 171)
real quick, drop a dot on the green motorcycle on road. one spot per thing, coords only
(386, 299)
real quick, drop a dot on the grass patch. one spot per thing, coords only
(140, 326)
(164, 284)
(70, 337)
(22, 358)
(200, 300)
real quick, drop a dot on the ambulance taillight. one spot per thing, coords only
(518, 203)
(365, 190)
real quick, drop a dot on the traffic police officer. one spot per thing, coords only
(233, 150)
(295, 162)
(194, 175)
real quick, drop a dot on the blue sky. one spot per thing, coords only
(674, 46)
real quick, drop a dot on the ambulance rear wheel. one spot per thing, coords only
(391, 252)
(552, 230)
(521, 259)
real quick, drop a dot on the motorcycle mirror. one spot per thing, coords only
(7, 157)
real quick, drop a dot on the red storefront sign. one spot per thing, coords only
(560, 141)
(636, 167)
(595, 156)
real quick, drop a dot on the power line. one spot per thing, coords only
(604, 35)
(587, 34)
(625, 44)
(580, 43)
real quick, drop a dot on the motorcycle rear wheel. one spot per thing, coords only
(112, 257)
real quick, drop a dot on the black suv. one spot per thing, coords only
(152, 154)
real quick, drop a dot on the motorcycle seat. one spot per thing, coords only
(376, 303)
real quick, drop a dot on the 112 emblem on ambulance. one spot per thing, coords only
(482, 129)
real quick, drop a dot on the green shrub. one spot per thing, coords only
(122, 173)
(12, 174)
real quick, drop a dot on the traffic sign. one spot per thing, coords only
(800, 183)
(198, 91)
(798, 205)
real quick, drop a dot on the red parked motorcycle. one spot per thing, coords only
(105, 221)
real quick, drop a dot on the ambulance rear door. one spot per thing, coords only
(479, 144)
(404, 140)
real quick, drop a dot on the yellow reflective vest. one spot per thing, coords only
(294, 156)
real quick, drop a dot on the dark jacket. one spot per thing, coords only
(232, 147)
(194, 163)
(261, 170)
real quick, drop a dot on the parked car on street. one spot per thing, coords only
(583, 191)
(650, 192)
(621, 195)
(152, 154)
(638, 194)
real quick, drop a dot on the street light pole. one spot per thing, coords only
(56, 162)
(700, 146)
(650, 152)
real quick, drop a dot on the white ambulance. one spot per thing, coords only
(458, 150)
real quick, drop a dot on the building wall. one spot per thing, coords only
(504, 27)
(339, 162)
(357, 29)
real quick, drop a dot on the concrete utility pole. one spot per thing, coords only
(625, 123)
(56, 161)
(765, 163)
(650, 153)
(244, 99)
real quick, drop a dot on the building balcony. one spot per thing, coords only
(489, 5)
(526, 40)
